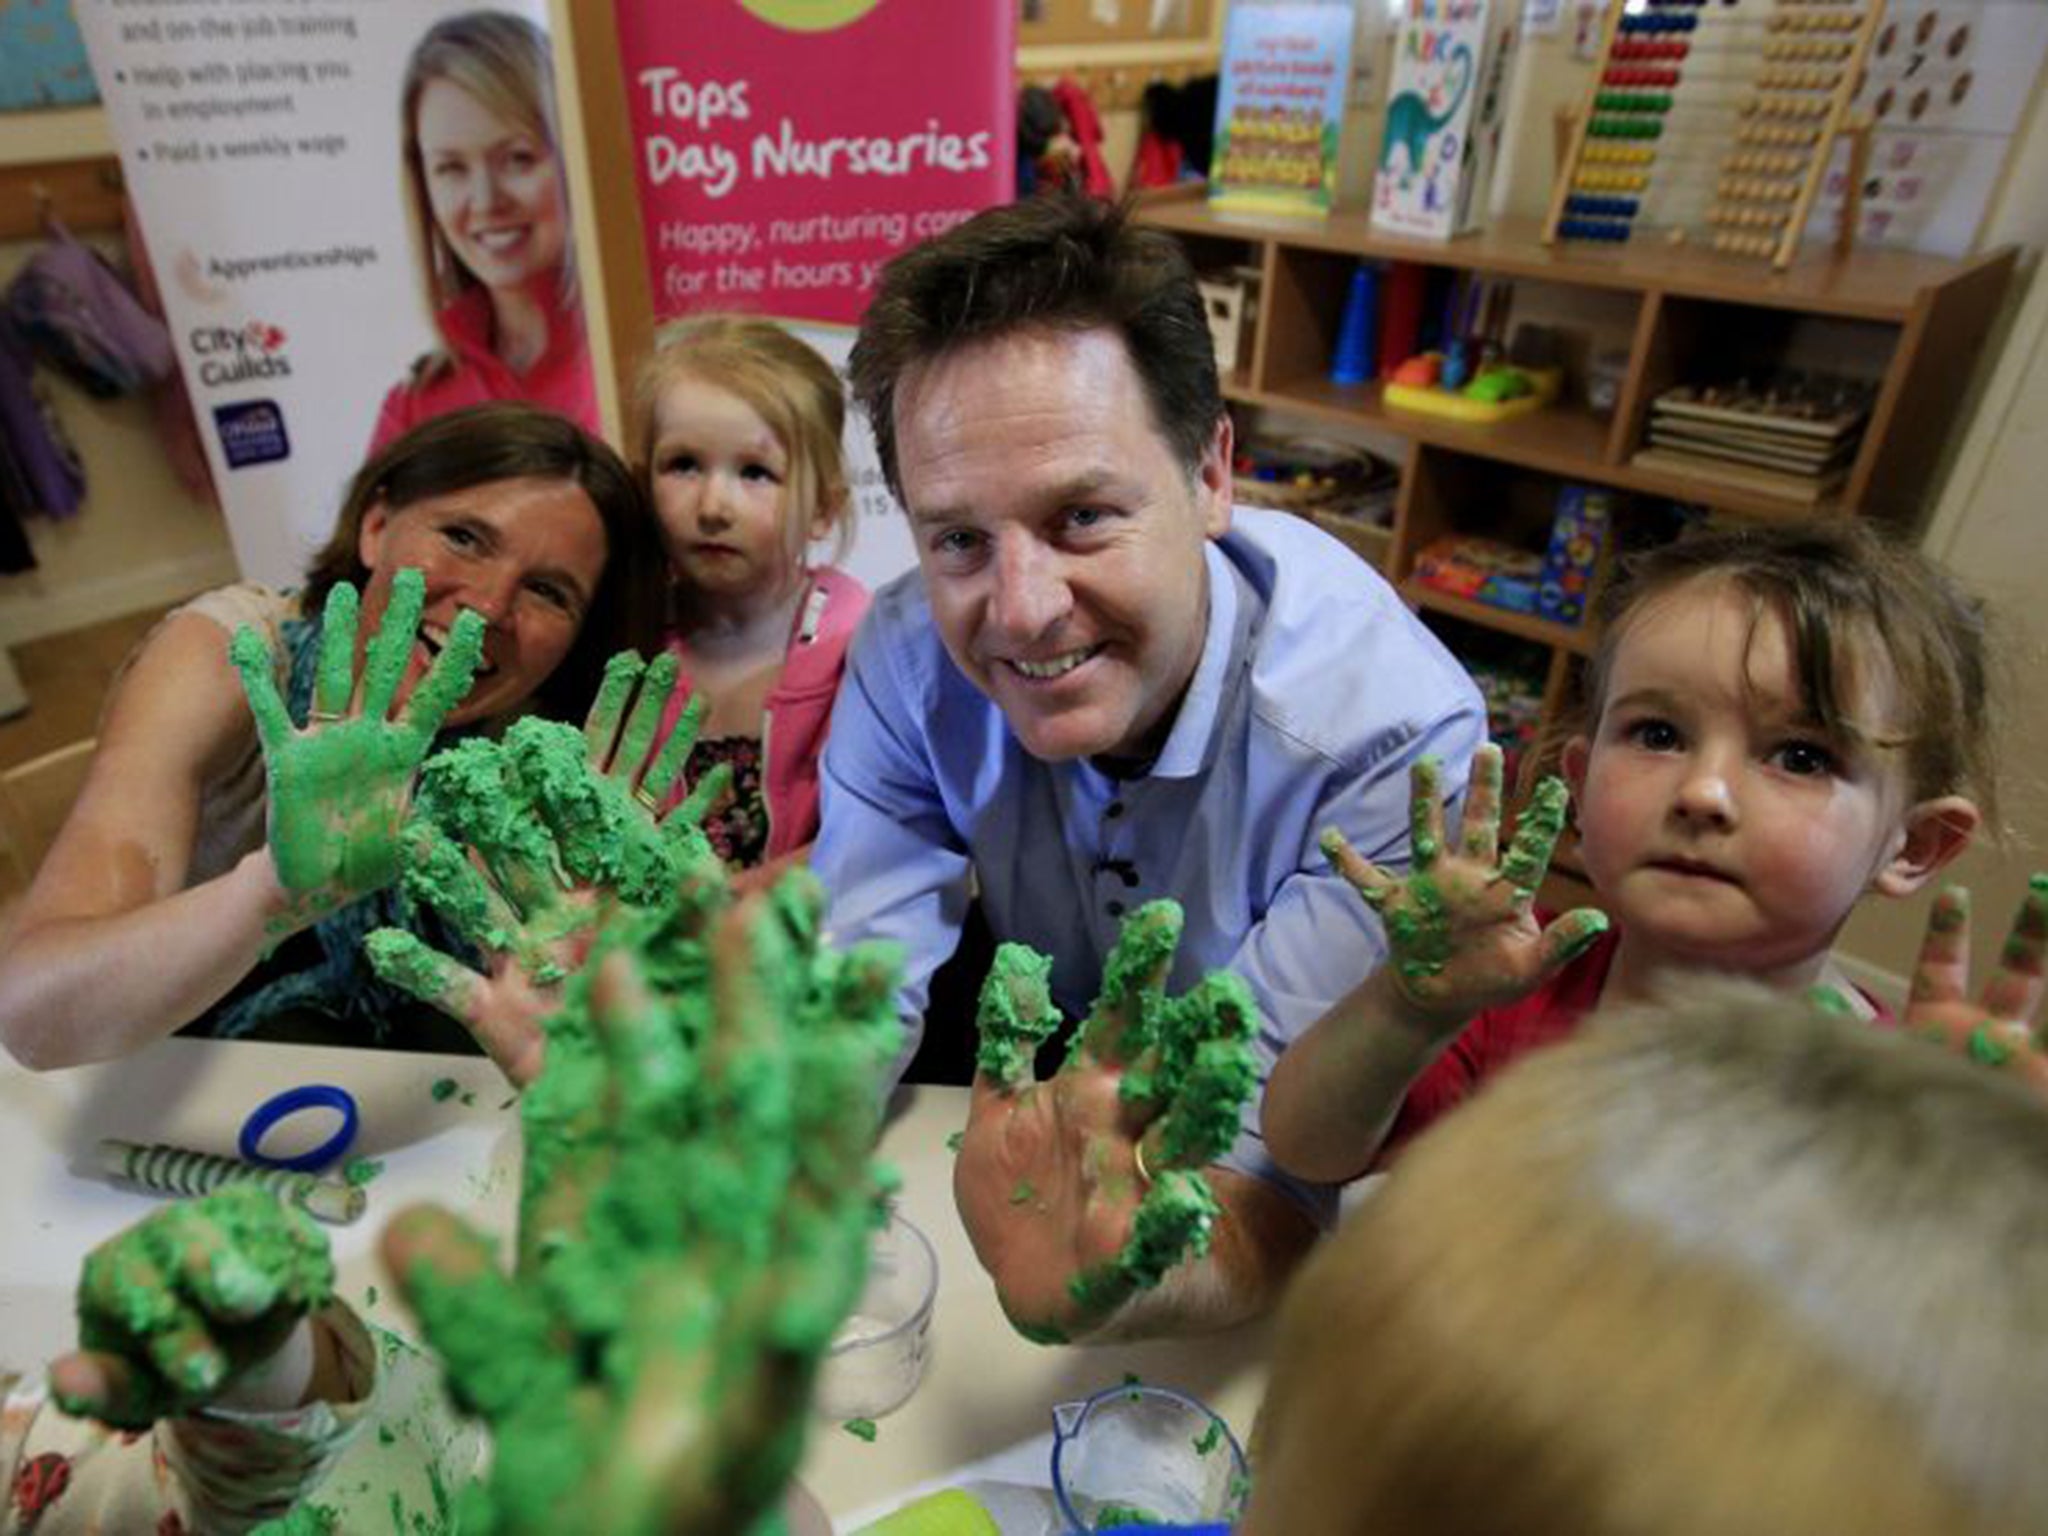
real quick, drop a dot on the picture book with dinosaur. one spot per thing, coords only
(1279, 108)
(1446, 97)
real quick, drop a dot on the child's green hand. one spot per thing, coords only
(1461, 932)
(694, 1219)
(523, 844)
(172, 1311)
(1998, 1028)
(338, 789)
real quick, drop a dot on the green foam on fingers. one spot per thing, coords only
(391, 646)
(448, 681)
(335, 681)
(601, 727)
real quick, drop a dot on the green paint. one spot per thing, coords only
(1038, 1333)
(601, 726)
(443, 1089)
(405, 961)
(1536, 834)
(1986, 1047)
(448, 679)
(336, 793)
(1015, 1014)
(656, 684)
(390, 649)
(1112, 1515)
(953, 1141)
(1023, 1193)
(370, 1295)
(678, 1168)
(1189, 1061)
(661, 778)
(335, 678)
(860, 1429)
(304, 1520)
(1210, 1438)
(1419, 930)
(359, 1171)
(1829, 1000)
(1207, 1069)
(1580, 930)
(1174, 1221)
(265, 1258)
(1425, 806)
(1125, 1017)
(1951, 910)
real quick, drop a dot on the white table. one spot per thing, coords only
(985, 1390)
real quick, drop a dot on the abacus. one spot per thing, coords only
(1713, 115)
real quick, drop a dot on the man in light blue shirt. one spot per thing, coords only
(1101, 687)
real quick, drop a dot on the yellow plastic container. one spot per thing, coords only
(948, 1513)
(1455, 405)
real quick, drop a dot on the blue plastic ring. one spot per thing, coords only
(290, 1102)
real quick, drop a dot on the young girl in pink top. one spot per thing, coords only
(1778, 721)
(739, 429)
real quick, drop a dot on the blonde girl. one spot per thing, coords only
(739, 426)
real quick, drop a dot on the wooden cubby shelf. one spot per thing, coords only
(1913, 326)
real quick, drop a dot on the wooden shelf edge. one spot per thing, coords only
(1523, 626)
(1875, 285)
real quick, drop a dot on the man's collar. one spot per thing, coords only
(1191, 742)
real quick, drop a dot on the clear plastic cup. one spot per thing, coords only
(1137, 1454)
(877, 1358)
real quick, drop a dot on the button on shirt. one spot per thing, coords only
(1316, 691)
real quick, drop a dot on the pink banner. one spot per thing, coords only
(784, 149)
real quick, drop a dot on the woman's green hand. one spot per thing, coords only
(339, 788)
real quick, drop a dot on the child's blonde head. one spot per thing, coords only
(1859, 607)
(1716, 1268)
(796, 393)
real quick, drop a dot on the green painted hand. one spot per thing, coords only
(338, 789)
(523, 844)
(694, 1221)
(175, 1309)
(1062, 1212)
(1998, 1028)
(1461, 932)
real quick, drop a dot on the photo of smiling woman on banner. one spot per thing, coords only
(488, 201)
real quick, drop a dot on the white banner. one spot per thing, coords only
(273, 166)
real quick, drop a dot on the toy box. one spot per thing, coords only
(1578, 541)
(1483, 570)
(1445, 101)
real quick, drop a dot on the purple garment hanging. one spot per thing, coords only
(48, 468)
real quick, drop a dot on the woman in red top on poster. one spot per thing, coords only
(489, 205)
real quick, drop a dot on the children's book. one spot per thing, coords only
(1445, 102)
(1280, 107)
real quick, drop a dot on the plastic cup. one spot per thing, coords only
(877, 1358)
(1148, 1455)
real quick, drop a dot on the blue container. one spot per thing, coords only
(1357, 341)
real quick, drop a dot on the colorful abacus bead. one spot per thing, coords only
(1601, 207)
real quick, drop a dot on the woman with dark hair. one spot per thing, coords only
(162, 893)
(487, 198)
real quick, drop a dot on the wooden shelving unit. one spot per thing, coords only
(1916, 325)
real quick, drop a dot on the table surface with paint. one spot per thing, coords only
(985, 1390)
